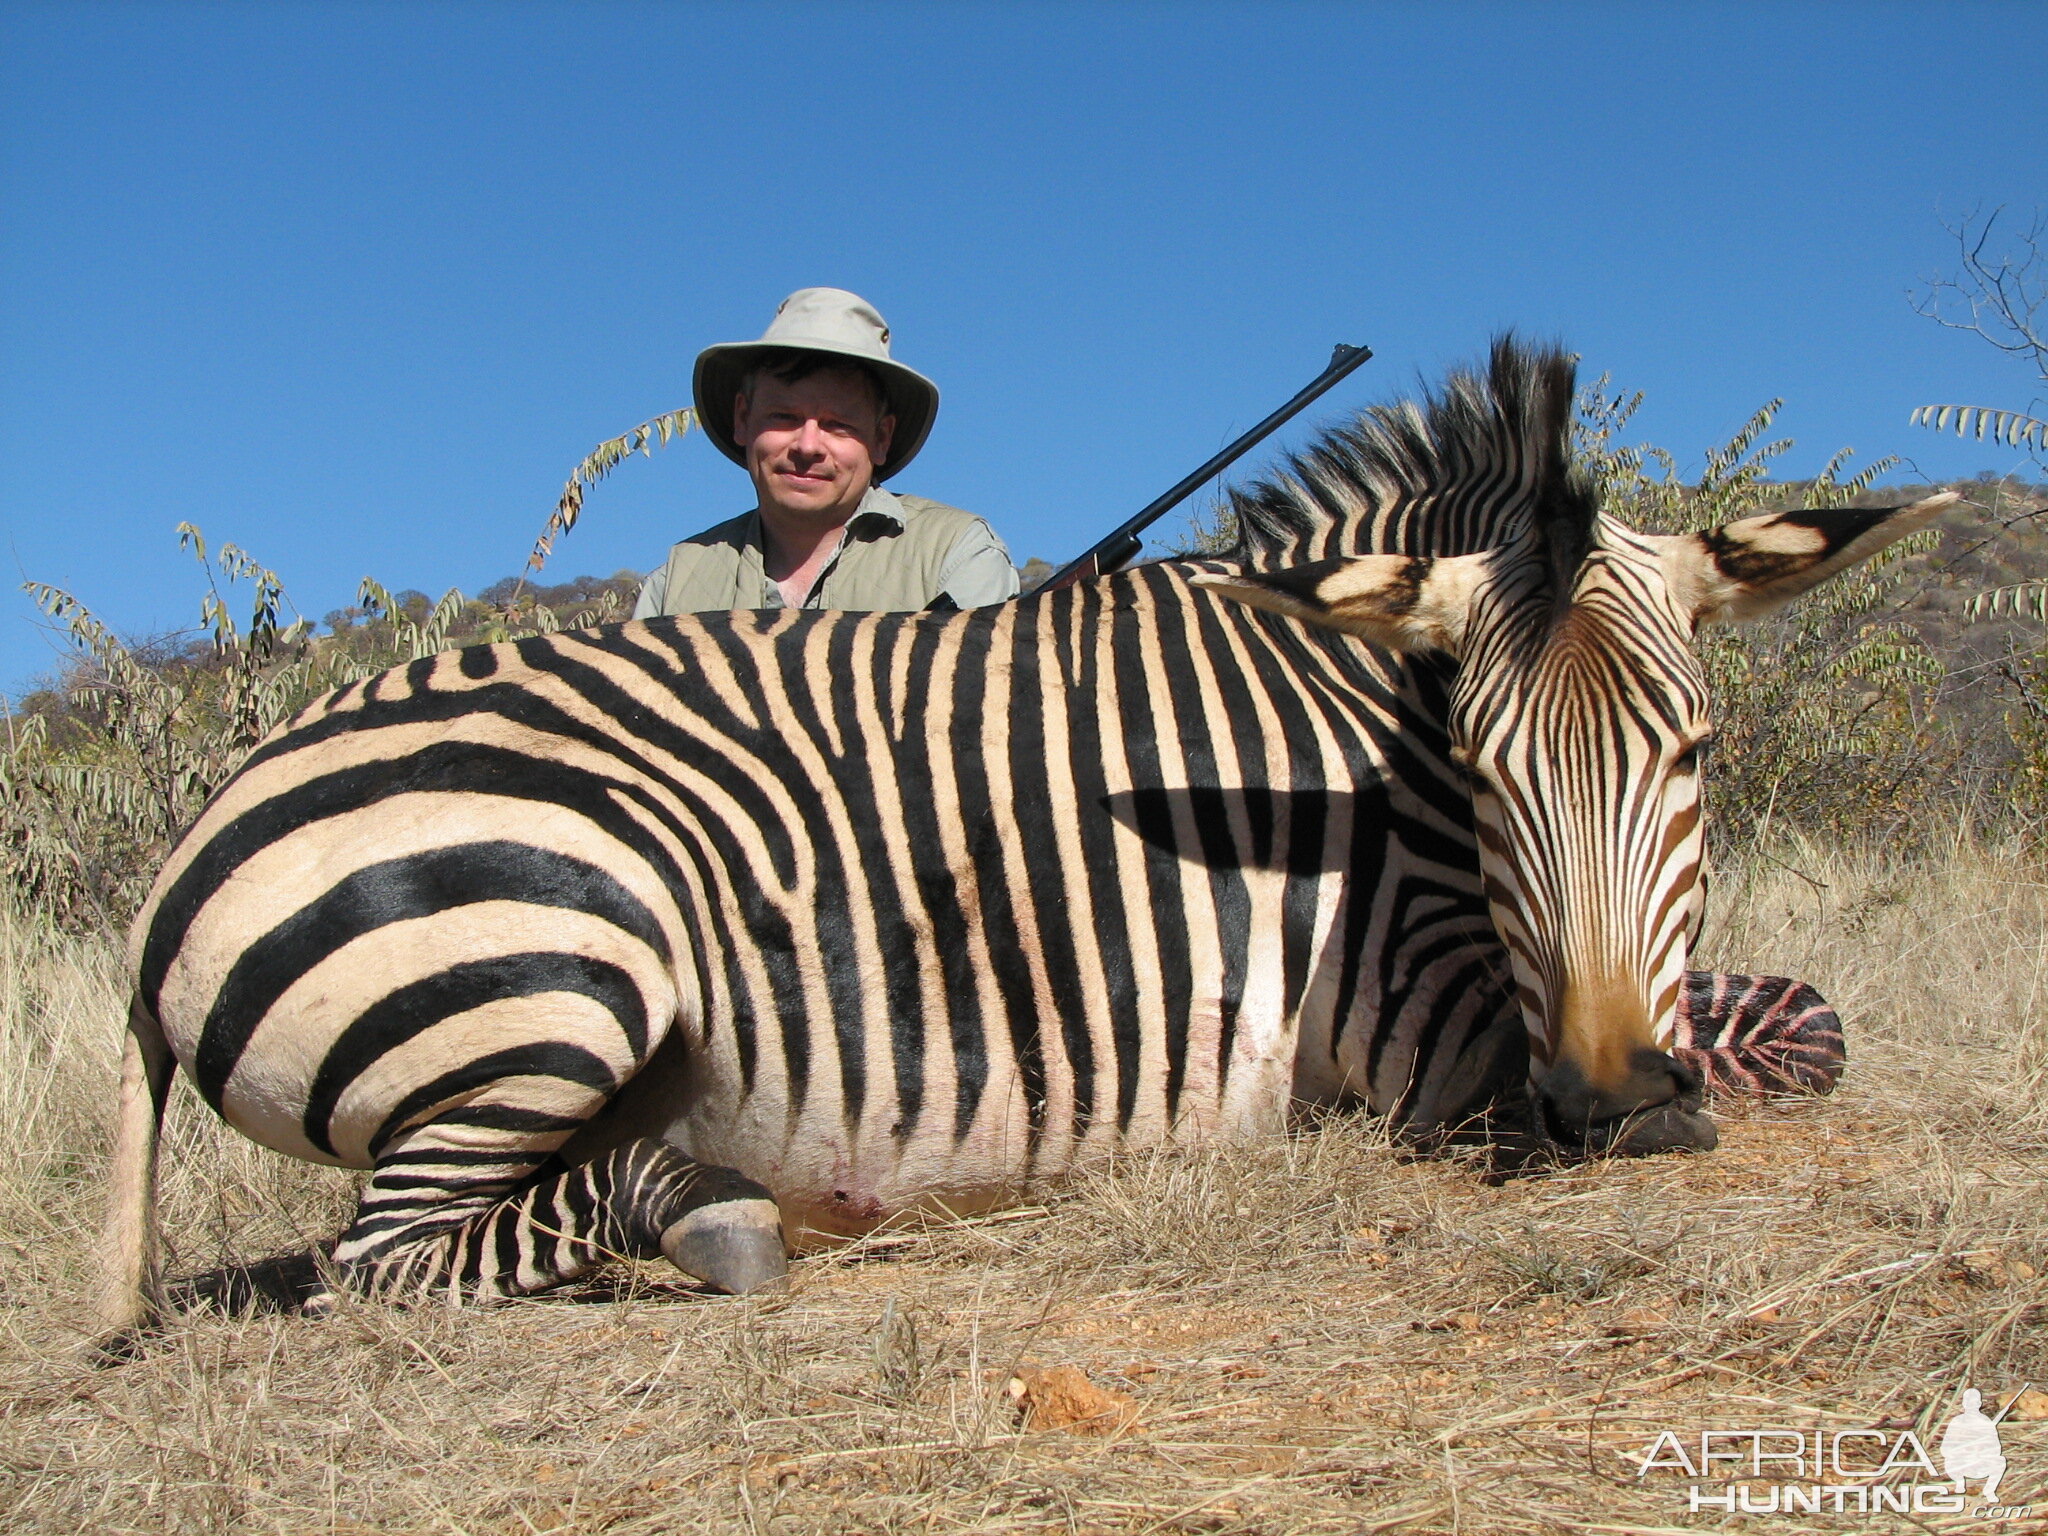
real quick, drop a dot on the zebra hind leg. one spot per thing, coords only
(442, 1216)
(1748, 1036)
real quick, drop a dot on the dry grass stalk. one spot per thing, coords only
(1317, 1334)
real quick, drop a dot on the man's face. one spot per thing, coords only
(812, 447)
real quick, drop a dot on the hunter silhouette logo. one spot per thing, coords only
(1970, 1446)
(1844, 1471)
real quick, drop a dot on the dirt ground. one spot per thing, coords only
(1319, 1334)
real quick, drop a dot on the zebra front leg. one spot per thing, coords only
(442, 1216)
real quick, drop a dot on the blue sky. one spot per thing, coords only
(356, 285)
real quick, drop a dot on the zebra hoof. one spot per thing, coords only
(735, 1245)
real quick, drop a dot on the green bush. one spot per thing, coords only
(100, 774)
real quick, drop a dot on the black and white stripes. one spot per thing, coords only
(594, 943)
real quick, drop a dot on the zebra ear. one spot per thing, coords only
(1403, 602)
(1743, 570)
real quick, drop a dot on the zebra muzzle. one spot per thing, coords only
(735, 1245)
(1657, 1109)
(1666, 1128)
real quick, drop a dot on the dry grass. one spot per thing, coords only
(1318, 1335)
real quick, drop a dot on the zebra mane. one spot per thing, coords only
(1466, 468)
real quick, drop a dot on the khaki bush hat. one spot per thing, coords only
(818, 320)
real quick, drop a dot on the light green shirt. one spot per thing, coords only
(897, 553)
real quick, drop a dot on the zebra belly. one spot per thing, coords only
(835, 1174)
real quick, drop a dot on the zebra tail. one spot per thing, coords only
(128, 1240)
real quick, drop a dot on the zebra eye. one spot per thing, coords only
(1688, 761)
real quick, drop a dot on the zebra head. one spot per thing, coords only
(1577, 709)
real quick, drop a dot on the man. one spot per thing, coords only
(818, 414)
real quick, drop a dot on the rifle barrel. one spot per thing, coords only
(1109, 553)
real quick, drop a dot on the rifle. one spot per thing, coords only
(1110, 553)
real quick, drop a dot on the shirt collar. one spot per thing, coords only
(882, 504)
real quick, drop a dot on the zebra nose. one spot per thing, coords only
(1655, 1107)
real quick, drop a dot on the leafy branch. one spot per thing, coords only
(2021, 600)
(2009, 427)
(100, 776)
(1999, 294)
(599, 462)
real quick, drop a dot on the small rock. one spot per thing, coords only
(768, 1468)
(1062, 1397)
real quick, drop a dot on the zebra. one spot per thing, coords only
(711, 938)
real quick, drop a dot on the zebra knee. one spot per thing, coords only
(1757, 1035)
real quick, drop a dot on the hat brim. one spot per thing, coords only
(721, 370)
